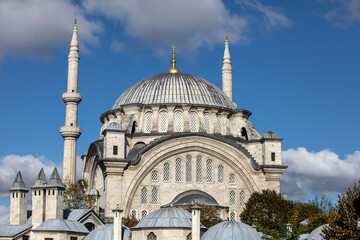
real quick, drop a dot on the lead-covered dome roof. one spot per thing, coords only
(231, 230)
(174, 88)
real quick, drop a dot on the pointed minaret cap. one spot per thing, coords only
(55, 180)
(19, 184)
(40, 180)
(74, 39)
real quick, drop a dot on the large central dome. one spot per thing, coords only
(174, 88)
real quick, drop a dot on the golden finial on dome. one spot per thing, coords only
(173, 68)
(226, 37)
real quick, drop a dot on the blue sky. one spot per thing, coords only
(295, 67)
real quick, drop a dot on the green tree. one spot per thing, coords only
(269, 212)
(75, 196)
(208, 215)
(130, 221)
(342, 223)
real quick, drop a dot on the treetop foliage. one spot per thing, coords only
(76, 196)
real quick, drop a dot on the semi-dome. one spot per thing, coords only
(270, 135)
(231, 230)
(174, 88)
(191, 197)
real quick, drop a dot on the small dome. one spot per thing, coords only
(191, 197)
(114, 126)
(94, 192)
(106, 232)
(174, 88)
(231, 230)
(166, 218)
(315, 234)
(270, 135)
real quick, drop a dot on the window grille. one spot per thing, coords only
(154, 176)
(148, 122)
(166, 172)
(232, 216)
(207, 123)
(188, 168)
(178, 122)
(163, 122)
(232, 179)
(151, 236)
(178, 170)
(218, 124)
(220, 173)
(143, 213)
(242, 198)
(232, 198)
(133, 214)
(144, 195)
(199, 169)
(209, 176)
(154, 196)
(193, 123)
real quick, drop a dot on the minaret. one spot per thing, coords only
(71, 132)
(117, 223)
(195, 219)
(18, 201)
(227, 71)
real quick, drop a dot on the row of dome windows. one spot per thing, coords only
(188, 171)
(193, 123)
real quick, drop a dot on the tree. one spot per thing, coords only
(208, 215)
(130, 221)
(268, 211)
(342, 223)
(75, 196)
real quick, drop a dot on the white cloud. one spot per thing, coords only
(188, 24)
(344, 12)
(272, 17)
(4, 210)
(118, 46)
(318, 173)
(36, 27)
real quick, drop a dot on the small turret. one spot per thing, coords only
(38, 199)
(18, 201)
(54, 197)
(195, 229)
(117, 223)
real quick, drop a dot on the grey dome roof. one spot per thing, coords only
(231, 230)
(61, 225)
(270, 134)
(114, 126)
(191, 197)
(106, 232)
(315, 234)
(174, 88)
(166, 218)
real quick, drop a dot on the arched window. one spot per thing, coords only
(144, 195)
(143, 213)
(151, 236)
(188, 168)
(232, 179)
(232, 198)
(178, 170)
(148, 122)
(163, 123)
(220, 173)
(154, 196)
(166, 172)
(242, 198)
(209, 175)
(133, 214)
(207, 123)
(244, 133)
(232, 216)
(199, 169)
(178, 122)
(218, 124)
(154, 176)
(193, 122)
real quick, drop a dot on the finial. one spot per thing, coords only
(75, 21)
(173, 68)
(226, 37)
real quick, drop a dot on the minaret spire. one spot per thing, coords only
(227, 70)
(71, 132)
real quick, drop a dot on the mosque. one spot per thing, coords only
(169, 141)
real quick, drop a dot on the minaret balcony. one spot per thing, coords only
(70, 131)
(71, 97)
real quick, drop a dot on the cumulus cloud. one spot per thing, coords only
(344, 12)
(272, 17)
(188, 24)
(318, 173)
(36, 27)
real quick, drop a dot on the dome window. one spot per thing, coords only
(193, 122)
(209, 176)
(232, 198)
(232, 179)
(188, 168)
(148, 122)
(220, 174)
(166, 172)
(144, 195)
(163, 123)
(207, 123)
(178, 122)
(219, 124)
(178, 167)
(242, 198)
(154, 196)
(154, 176)
(199, 169)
